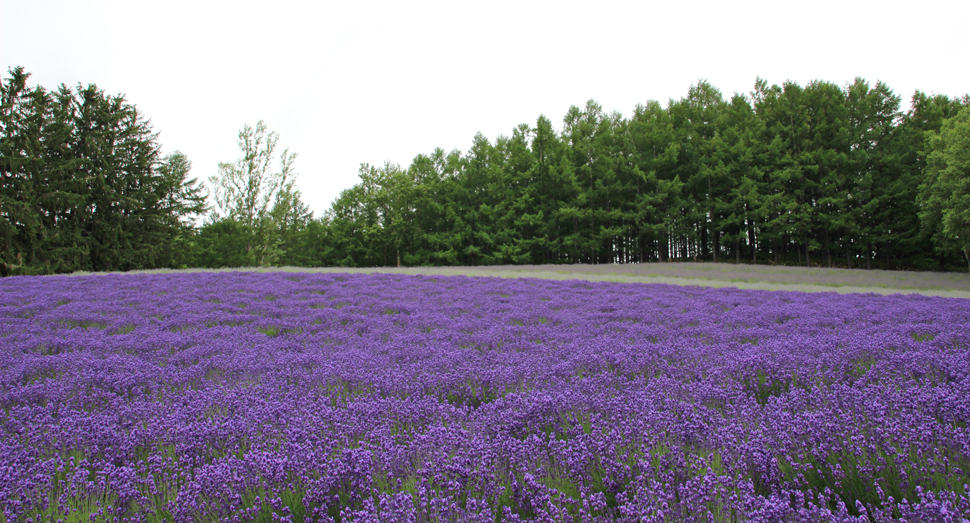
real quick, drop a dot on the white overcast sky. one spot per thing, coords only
(351, 82)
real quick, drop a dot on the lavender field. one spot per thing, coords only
(244, 396)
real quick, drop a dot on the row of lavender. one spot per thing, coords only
(312, 397)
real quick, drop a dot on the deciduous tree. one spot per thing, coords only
(945, 194)
(261, 197)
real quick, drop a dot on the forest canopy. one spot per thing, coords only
(820, 174)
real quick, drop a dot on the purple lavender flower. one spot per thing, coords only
(329, 397)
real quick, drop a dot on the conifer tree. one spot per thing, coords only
(81, 187)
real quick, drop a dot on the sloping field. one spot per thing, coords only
(764, 277)
(313, 396)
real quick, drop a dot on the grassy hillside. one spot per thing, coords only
(766, 277)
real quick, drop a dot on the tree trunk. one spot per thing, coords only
(828, 250)
(703, 242)
(754, 245)
(717, 244)
(710, 216)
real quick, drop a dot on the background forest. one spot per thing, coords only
(820, 174)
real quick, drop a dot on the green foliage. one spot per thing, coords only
(185, 198)
(263, 200)
(815, 174)
(944, 196)
(221, 244)
(83, 187)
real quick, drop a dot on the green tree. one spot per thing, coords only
(25, 125)
(350, 219)
(881, 199)
(390, 193)
(814, 170)
(659, 189)
(553, 188)
(477, 197)
(81, 188)
(796, 132)
(262, 198)
(742, 207)
(825, 149)
(697, 120)
(906, 239)
(182, 197)
(944, 196)
(598, 148)
(217, 245)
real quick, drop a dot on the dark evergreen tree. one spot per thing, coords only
(697, 121)
(82, 189)
(659, 189)
(879, 220)
(743, 207)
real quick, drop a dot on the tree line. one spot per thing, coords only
(819, 174)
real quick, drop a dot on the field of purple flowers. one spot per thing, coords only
(378, 397)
